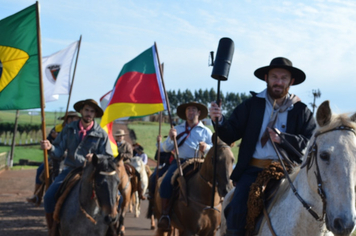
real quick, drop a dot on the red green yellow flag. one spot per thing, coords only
(138, 90)
(19, 70)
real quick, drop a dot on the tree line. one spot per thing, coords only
(229, 100)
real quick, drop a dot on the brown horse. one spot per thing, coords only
(125, 189)
(198, 218)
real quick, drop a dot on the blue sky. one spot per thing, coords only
(318, 36)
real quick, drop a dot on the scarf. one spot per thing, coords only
(187, 131)
(83, 131)
(289, 101)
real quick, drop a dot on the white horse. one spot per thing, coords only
(330, 164)
(137, 162)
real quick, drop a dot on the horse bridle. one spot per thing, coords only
(309, 162)
(94, 196)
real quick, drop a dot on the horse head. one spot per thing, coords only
(331, 168)
(105, 186)
(224, 163)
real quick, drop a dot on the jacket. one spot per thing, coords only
(96, 141)
(125, 151)
(246, 121)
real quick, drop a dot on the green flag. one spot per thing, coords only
(19, 71)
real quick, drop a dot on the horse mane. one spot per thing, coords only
(336, 121)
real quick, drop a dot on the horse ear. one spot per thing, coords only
(213, 138)
(323, 115)
(94, 160)
(353, 117)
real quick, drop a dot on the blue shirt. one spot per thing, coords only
(200, 133)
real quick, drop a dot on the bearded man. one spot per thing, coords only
(252, 121)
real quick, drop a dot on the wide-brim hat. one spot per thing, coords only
(91, 102)
(281, 62)
(202, 108)
(69, 114)
(120, 132)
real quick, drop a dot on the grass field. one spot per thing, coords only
(146, 133)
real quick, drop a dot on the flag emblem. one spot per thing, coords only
(52, 72)
(12, 60)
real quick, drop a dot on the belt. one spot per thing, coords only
(261, 163)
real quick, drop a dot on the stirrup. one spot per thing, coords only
(169, 223)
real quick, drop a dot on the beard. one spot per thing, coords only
(277, 94)
(87, 119)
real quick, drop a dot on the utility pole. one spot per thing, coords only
(316, 94)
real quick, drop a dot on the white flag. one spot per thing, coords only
(56, 72)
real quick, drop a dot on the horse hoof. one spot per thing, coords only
(152, 227)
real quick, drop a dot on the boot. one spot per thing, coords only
(36, 199)
(164, 222)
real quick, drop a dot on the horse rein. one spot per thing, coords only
(309, 161)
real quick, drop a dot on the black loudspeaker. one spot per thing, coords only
(223, 59)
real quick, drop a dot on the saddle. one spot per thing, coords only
(189, 168)
(261, 195)
(68, 183)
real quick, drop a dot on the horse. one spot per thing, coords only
(198, 217)
(324, 184)
(140, 167)
(91, 206)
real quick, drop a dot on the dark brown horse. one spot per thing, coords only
(198, 218)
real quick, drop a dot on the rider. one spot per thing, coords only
(39, 188)
(192, 134)
(252, 121)
(124, 148)
(80, 139)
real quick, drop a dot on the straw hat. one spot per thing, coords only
(120, 132)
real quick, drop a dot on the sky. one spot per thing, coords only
(318, 36)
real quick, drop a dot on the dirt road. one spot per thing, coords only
(17, 217)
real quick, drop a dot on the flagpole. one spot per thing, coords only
(71, 85)
(168, 107)
(159, 133)
(180, 179)
(45, 159)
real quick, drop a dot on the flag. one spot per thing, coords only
(56, 70)
(19, 69)
(138, 90)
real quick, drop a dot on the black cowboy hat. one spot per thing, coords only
(91, 102)
(69, 114)
(202, 108)
(281, 62)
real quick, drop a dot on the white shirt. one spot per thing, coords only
(190, 147)
(267, 151)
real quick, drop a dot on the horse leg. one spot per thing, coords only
(137, 205)
(153, 223)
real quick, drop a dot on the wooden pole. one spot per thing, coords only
(170, 117)
(71, 85)
(11, 160)
(159, 145)
(45, 159)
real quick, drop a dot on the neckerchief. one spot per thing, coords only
(289, 101)
(186, 131)
(83, 131)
